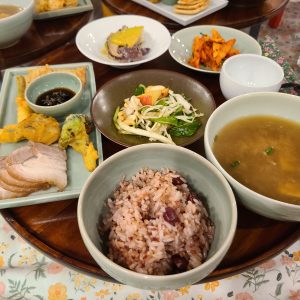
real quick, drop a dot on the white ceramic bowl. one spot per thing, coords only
(201, 175)
(51, 81)
(14, 27)
(91, 39)
(182, 41)
(263, 103)
(248, 73)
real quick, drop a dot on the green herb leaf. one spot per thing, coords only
(166, 120)
(140, 89)
(162, 102)
(187, 129)
(269, 150)
(235, 163)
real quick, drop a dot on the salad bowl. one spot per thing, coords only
(112, 94)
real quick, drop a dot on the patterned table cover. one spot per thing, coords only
(26, 274)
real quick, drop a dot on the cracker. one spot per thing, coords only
(189, 7)
(189, 3)
(184, 11)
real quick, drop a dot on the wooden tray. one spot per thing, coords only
(53, 228)
(231, 15)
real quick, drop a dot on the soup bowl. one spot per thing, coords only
(273, 104)
(12, 28)
(250, 73)
(201, 176)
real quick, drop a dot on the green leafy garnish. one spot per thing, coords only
(235, 163)
(140, 89)
(166, 120)
(269, 150)
(162, 102)
(187, 129)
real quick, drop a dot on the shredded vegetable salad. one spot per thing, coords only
(158, 113)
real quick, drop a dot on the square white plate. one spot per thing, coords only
(167, 10)
(76, 171)
(83, 5)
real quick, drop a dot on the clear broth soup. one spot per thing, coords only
(8, 10)
(262, 153)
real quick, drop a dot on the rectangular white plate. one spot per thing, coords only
(167, 10)
(77, 173)
(83, 5)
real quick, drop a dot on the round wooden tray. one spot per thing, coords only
(45, 35)
(232, 15)
(53, 228)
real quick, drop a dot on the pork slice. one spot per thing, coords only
(5, 194)
(12, 184)
(53, 151)
(38, 164)
(16, 189)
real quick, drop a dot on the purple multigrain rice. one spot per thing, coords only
(156, 225)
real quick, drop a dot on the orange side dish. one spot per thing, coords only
(211, 51)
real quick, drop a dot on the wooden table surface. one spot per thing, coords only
(45, 35)
(53, 227)
(231, 15)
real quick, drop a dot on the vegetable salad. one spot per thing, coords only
(158, 113)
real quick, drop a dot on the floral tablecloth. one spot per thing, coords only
(25, 273)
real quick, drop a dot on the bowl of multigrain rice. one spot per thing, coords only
(157, 216)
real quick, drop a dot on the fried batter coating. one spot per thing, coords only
(37, 128)
(48, 5)
(23, 109)
(74, 133)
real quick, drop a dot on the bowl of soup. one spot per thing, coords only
(15, 19)
(253, 140)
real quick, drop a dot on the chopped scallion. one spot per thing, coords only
(235, 163)
(269, 150)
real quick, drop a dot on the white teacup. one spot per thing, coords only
(248, 73)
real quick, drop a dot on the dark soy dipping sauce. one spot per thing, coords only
(54, 97)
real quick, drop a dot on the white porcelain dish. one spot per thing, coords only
(167, 10)
(90, 39)
(263, 103)
(250, 73)
(182, 42)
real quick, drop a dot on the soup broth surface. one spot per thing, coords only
(262, 153)
(8, 10)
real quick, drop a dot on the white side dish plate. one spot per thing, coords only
(91, 38)
(167, 10)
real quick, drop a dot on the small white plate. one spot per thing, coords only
(90, 39)
(182, 42)
(83, 5)
(167, 10)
